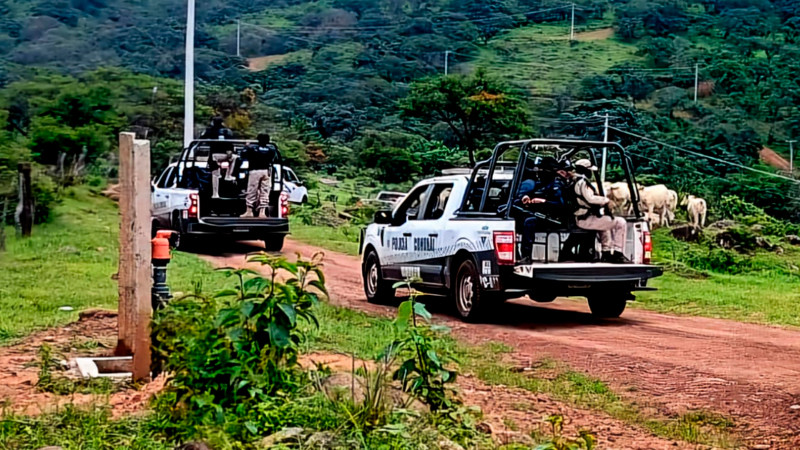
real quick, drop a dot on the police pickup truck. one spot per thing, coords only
(460, 236)
(183, 200)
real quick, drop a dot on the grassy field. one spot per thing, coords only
(70, 262)
(769, 295)
(540, 58)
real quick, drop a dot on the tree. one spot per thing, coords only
(477, 110)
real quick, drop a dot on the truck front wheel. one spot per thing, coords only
(608, 306)
(376, 288)
(470, 299)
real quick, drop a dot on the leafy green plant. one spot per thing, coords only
(424, 373)
(584, 441)
(231, 353)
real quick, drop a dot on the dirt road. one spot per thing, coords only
(749, 373)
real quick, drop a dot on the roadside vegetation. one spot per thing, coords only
(259, 328)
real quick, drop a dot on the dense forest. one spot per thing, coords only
(357, 87)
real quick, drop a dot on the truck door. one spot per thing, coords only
(399, 258)
(433, 237)
(161, 198)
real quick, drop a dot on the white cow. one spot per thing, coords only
(673, 205)
(620, 194)
(654, 202)
(697, 209)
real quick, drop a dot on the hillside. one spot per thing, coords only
(335, 71)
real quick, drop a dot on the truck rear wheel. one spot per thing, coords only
(608, 306)
(377, 289)
(274, 243)
(470, 299)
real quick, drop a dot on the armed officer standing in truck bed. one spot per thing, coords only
(592, 214)
(260, 160)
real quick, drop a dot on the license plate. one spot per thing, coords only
(241, 230)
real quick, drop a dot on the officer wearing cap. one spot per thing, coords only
(546, 201)
(590, 215)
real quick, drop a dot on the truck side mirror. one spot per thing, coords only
(152, 187)
(383, 217)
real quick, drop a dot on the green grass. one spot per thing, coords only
(767, 296)
(79, 428)
(342, 240)
(70, 262)
(540, 58)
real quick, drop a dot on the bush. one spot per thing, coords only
(233, 355)
(734, 208)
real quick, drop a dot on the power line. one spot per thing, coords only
(712, 158)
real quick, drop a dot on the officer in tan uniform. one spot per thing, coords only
(592, 214)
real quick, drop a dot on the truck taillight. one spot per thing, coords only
(504, 243)
(194, 205)
(284, 205)
(647, 240)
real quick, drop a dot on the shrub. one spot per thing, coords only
(233, 355)
(423, 374)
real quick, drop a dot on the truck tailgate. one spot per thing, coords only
(589, 273)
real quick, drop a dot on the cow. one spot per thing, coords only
(620, 196)
(673, 205)
(654, 202)
(697, 209)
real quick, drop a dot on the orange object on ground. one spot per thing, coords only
(161, 247)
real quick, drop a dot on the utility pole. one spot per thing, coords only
(572, 27)
(24, 213)
(238, 38)
(188, 96)
(605, 154)
(791, 158)
(446, 62)
(696, 80)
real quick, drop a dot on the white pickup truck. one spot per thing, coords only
(182, 199)
(460, 236)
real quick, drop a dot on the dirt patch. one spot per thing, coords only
(94, 335)
(596, 35)
(773, 159)
(672, 364)
(263, 62)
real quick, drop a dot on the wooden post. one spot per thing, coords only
(135, 273)
(24, 213)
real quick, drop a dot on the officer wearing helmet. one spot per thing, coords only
(591, 214)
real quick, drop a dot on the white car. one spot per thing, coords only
(294, 187)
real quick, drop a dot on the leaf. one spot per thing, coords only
(247, 309)
(279, 335)
(421, 311)
(433, 357)
(290, 313)
(224, 316)
(251, 427)
(404, 312)
(236, 334)
(226, 293)
(400, 284)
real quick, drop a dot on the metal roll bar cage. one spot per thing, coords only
(525, 146)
